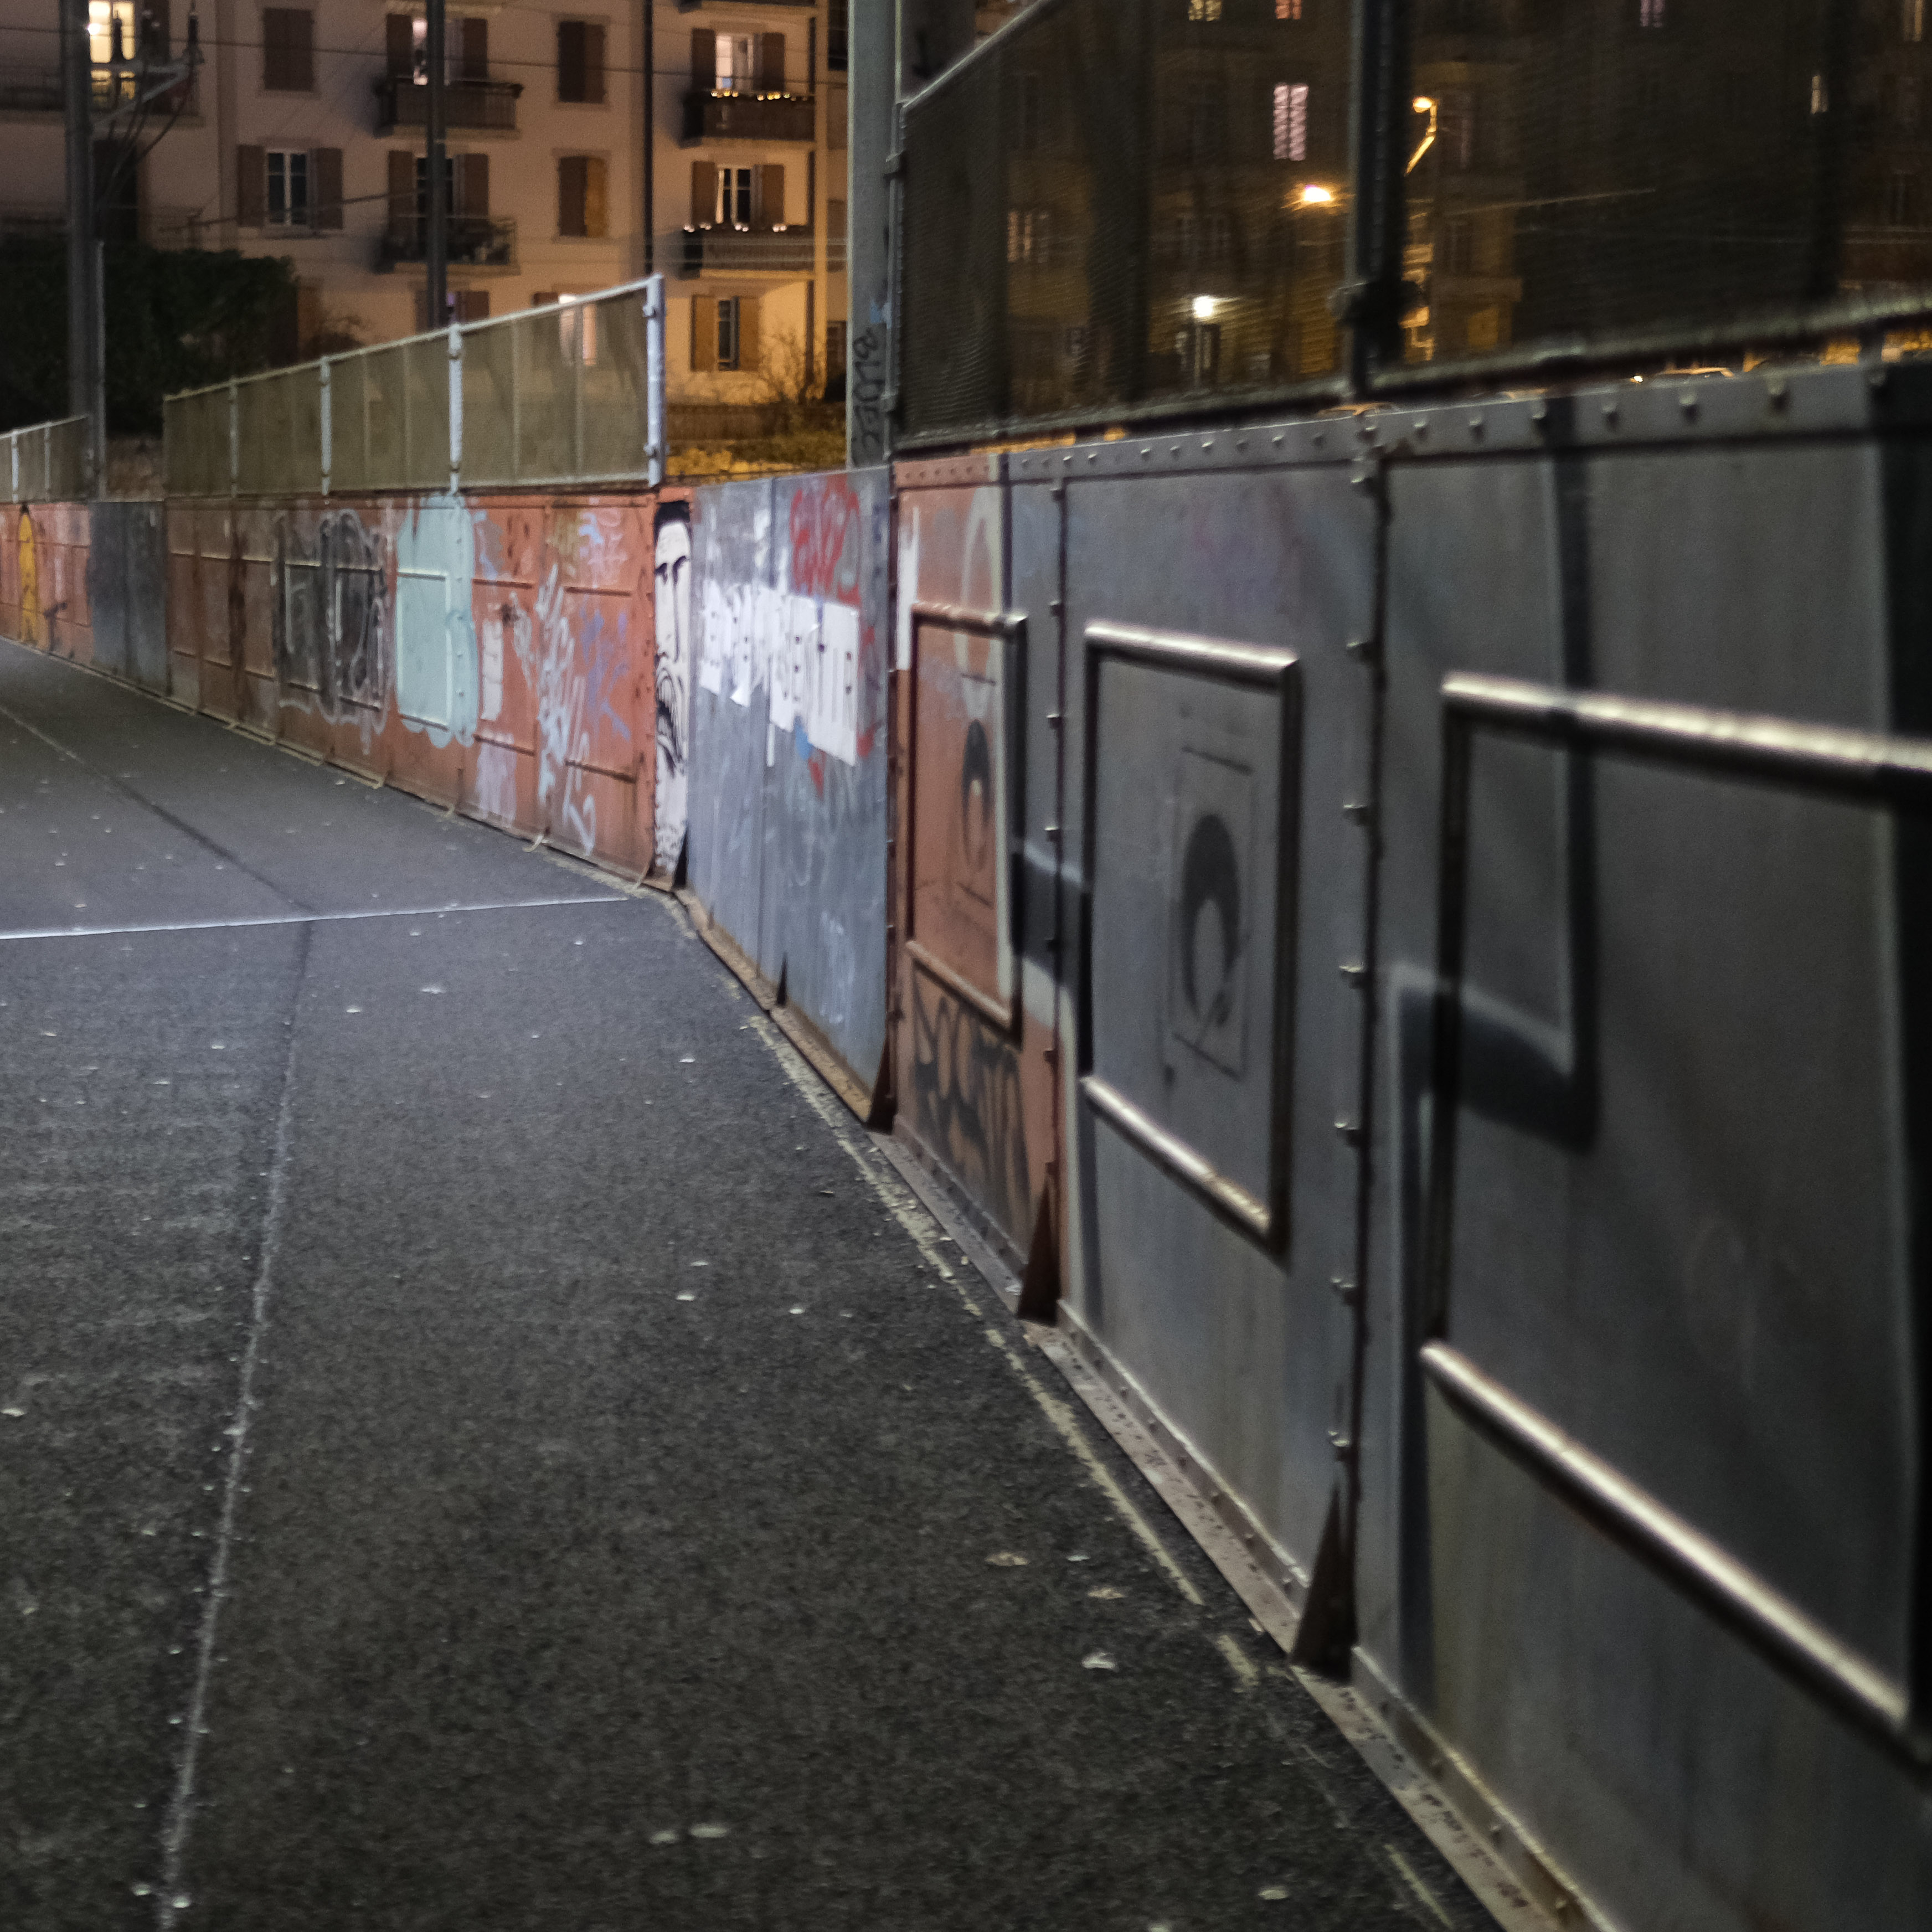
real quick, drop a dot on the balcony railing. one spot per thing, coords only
(403, 103)
(30, 90)
(767, 251)
(749, 117)
(475, 242)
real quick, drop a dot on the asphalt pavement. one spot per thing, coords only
(487, 1442)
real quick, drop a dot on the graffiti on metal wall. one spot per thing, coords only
(1208, 947)
(438, 684)
(330, 613)
(672, 573)
(33, 619)
(967, 1102)
(802, 641)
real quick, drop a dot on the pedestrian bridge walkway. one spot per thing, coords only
(487, 1441)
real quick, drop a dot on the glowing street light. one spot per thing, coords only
(1203, 308)
(1314, 195)
(1423, 104)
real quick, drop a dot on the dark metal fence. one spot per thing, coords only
(1134, 207)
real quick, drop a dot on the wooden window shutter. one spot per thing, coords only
(703, 194)
(748, 331)
(570, 170)
(400, 29)
(402, 192)
(476, 48)
(703, 60)
(472, 184)
(327, 187)
(570, 60)
(288, 50)
(596, 220)
(251, 187)
(704, 334)
(771, 68)
(771, 194)
(593, 63)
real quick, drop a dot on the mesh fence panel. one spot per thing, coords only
(547, 355)
(45, 462)
(278, 434)
(349, 466)
(426, 376)
(1120, 203)
(382, 419)
(612, 379)
(1578, 174)
(490, 404)
(195, 452)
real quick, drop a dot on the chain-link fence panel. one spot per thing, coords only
(1120, 205)
(490, 411)
(426, 380)
(1579, 177)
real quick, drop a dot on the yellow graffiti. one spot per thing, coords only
(33, 625)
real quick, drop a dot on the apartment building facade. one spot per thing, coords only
(586, 146)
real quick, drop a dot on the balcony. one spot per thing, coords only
(30, 90)
(475, 242)
(757, 251)
(749, 117)
(471, 105)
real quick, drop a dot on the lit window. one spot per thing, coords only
(727, 332)
(1288, 9)
(103, 17)
(1029, 235)
(1291, 121)
(1911, 21)
(1650, 14)
(1204, 9)
(734, 197)
(1821, 97)
(288, 188)
(737, 69)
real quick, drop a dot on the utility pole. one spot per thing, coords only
(436, 252)
(83, 272)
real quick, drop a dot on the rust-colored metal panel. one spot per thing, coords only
(974, 1073)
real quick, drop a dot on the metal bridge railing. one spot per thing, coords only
(46, 462)
(552, 396)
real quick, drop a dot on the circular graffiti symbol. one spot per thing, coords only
(1210, 910)
(976, 797)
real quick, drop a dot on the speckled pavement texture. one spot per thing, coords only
(632, 1527)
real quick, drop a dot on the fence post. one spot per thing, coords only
(328, 425)
(654, 380)
(455, 406)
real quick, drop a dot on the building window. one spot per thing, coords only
(736, 189)
(288, 50)
(1650, 15)
(1030, 236)
(1288, 9)
(737, 64)
(1457, 124)
(1821, 95)
(1911, 21)
(1291, 121)
(838, 37)
(104, 18)
(1902, 202)
(579, 61)
(729, 340)
(580, 205)
(835, 362)
(1204, 9)
(288, 205)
